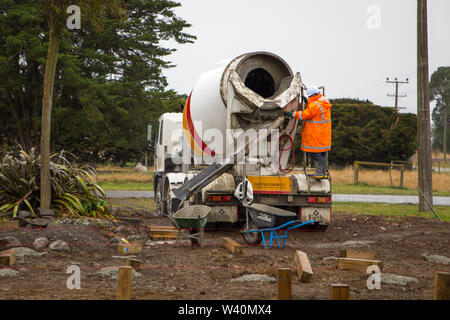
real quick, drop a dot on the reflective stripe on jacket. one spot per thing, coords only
(316, 135)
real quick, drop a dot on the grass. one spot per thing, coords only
(129, 186)
(137, 203)
(371, 181)
(362, 188)
(118, 178)
(384, 209)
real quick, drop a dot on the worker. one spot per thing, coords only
(316, 135)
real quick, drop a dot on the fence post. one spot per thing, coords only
(402, 168)
(355, 173)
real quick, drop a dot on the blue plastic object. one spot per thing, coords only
(273, 232)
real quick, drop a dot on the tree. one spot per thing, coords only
(108, 85)
(55, 14)
(363, 131)
(440, 92)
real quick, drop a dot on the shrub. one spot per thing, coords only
(74, 187)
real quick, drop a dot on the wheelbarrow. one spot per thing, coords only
(268, 219)
(193, 219)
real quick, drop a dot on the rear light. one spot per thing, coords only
(212, 198)
(321, 199)
(312, 199)
(329, 199)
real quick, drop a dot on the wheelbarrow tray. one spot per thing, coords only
(265, 216)
(188, 217)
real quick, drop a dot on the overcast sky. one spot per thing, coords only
(349, 46)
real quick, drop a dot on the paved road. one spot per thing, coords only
(438, 201)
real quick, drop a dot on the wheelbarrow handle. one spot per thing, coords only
(173, 222)
(300, 224)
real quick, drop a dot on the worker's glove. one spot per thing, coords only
(288, 114)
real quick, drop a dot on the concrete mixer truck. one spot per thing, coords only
(233, 130)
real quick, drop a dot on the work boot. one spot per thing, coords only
(321, 168)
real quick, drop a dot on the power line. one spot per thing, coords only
(396, 95)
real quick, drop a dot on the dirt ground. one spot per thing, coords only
(175, 270)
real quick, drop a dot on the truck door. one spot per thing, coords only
(159, 148)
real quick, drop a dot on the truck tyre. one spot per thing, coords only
(166, 200)
(158, 197)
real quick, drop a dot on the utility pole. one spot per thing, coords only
(396, 95)
(423, 109)
(445, 134)
(323, 90)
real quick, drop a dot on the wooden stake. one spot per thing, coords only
(339, 291)
(125, 276)
(304, 270)
(8, 257)
(284, 284)
(231, 245)
(134, 263)
(350, 253)
(441, 289)
(357, 264)
(129, 248)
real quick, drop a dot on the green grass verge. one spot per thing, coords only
(132, 186)
(363, 188)
(137, 203)
(385, 209)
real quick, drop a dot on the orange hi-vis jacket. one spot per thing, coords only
(316, 135)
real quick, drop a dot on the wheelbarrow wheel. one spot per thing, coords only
(252, 237)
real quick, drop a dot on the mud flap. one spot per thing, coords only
(320, 215)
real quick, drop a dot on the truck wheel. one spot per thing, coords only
(252, 237)
(158, 201)
(166, 202)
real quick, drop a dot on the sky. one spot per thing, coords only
(348, 46)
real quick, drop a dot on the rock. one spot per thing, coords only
(40, 243)
(434, 258)
(254, 277)
(27, 252)
(117, 240)
(390, 278)
(140, 168)
(113, 273)
(46, 212)
(8, 273)
(135, 238)
(25, 214)
(9, 242)
(59, 245)
(22, 221)
(39, 223)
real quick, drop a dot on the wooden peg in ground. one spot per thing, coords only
(350, 253)
(303, 267)
(339, 291)
(125, 277)
(357, 264)
(231, 245)
(284, 284)
(8, 257)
